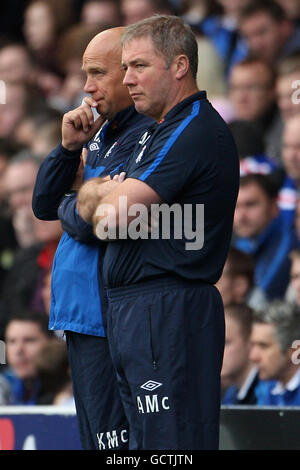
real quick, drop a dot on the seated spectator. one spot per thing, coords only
(252, 93)
(21, 99)
(53, 371)
(236, 285)
(292, 9)
(249, 140)
(288, 73)
(297, 219)
(274, 332)
(221, 27)
(71, 46)
(269, 33)
(8, 242)
(32, 130)
(289, 192)
(5, 392)
(36, 239)
(293, 294)
(193, 11)
(101, 14)
(136, 10)
(16, 64)
(44, 21)
(238, 375)
(19, 181)
(259, 231)
(25, 335)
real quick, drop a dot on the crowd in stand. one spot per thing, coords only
(249, 64)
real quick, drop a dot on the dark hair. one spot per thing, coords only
(29, 316)
(9, 148)
(243, 314)
(239, 263)
(285, 319)
(289, 64)
(254, 60)
(265, 182)
(272, 8)
(170, 36)
(248, 137)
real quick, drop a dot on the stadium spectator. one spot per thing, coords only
(239, 377)
(292, 9)
(38, 131)
(71, 46)
(16, 64)
(19, 182)
(53, 372)
(289, 193)
(270, 35)
(294, 294)
(220, 25)
(8, 242)
(14, 108)
(101, 14)
(25, 335)
(44, 21)
(274, 333)
(22, 285)
(193, 11)
(291, 149)
(236, 285)
(287, 86)
(249, 139)
(136, 10)
(252, 94)
(260, 232)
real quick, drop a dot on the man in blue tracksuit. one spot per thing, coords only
(165, 316)
(77, 302)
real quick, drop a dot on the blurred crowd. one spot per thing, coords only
(249, 64)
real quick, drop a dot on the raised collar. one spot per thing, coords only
(292, 385)
(117, 123)
(200, 95)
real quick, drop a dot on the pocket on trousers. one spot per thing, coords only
(154, 336)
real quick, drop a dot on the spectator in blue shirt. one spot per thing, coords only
(274, 350)
(269, 33)
(260, 231)
(239, 376)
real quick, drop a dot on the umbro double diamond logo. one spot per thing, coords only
(150, 385)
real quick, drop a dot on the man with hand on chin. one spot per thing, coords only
(78, 304)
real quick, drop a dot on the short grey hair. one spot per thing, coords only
(285, 318)
(170, 36)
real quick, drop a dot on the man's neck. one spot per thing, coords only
(181, 94)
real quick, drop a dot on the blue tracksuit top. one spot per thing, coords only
(76, 289)
(270, 251)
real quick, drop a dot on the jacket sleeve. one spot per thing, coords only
(55, 177)
(72, 223)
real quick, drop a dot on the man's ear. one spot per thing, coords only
(182, 66)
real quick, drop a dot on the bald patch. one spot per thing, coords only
(106, 42)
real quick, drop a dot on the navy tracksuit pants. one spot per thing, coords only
(101, 418)
(167, 339)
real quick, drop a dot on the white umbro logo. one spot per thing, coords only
(94, 146)
(150, 385)
(110, 150)
(144, 138)
(139, 157)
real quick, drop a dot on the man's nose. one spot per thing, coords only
(129, 78)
